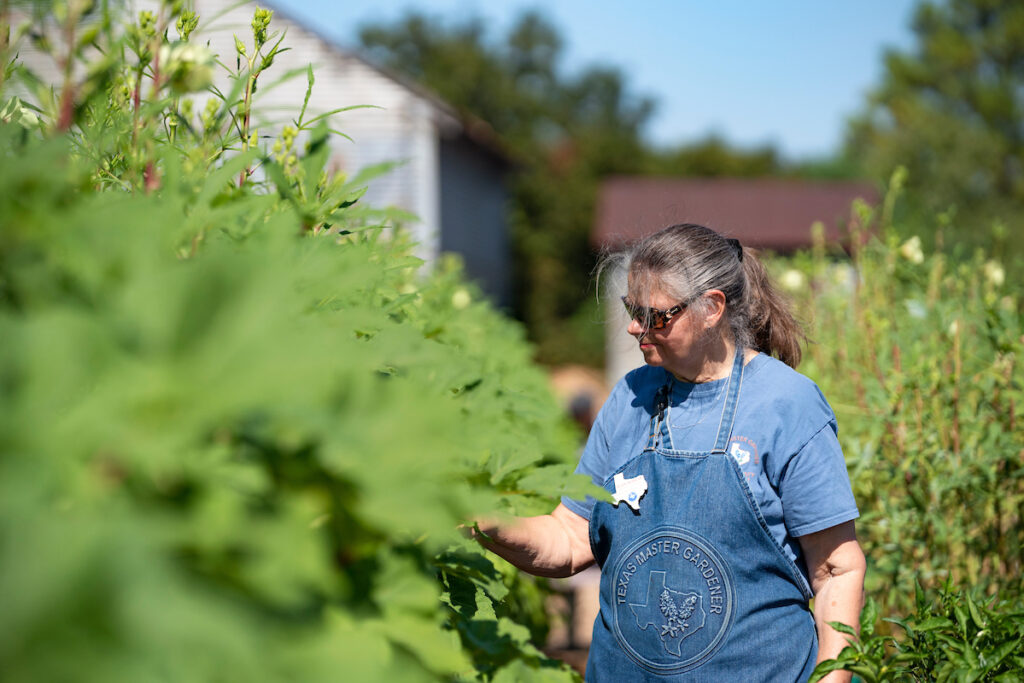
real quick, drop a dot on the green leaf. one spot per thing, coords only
(995, 657)
(546, 672)
(961, 618)
(971, 657)
(868, 618)
(976, 616)
(219, 180)
(866, 673)
(933, 623)
(339, 110)
(823, 669)
(305, 100)
(843, 628)
(18, 112)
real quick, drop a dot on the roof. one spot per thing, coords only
(771, 214)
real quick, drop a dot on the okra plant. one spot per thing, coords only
(240, 423)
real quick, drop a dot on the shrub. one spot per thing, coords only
(239, 423)
(950, 636)
(919, 355)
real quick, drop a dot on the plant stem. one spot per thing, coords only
(5, 38)
(250, 85)
(956, 391)
(66, 108)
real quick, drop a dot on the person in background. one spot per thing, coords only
(731, 510)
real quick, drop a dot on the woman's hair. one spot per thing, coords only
(684, 261)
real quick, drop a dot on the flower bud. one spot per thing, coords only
(793, 280)
(188, 67)
(994, 273)
(461, 298)
(911, 250)
(187, 23)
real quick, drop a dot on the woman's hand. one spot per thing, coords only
(554, 545)
(836, 566)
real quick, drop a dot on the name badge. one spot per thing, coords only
(629, 491)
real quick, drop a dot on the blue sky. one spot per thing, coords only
(787, 72)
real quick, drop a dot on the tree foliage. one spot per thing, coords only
(951, 112)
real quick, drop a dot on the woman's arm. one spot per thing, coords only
(836, 566)
(553, 545)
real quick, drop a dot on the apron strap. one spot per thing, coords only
(731, 397)
(659, 434)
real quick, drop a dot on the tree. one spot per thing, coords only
(713, 157)
(952, 111)
(566, 132)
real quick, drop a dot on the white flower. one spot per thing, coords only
(793, 280)
(916, 309)
(994, 273)
(461, 298)
(954, 328)
(911, 250)
(844, 275)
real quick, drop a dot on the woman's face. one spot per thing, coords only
(674, 347)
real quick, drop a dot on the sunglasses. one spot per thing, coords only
(652, 318)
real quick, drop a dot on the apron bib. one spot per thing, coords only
(693, 585)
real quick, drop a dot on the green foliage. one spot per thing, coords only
(950, 111)
(919, 354)
(950, 636)
(239, 425)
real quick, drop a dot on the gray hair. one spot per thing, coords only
(685, 261)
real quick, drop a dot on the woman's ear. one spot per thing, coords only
(715, 308)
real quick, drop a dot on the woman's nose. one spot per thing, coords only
(635, 328)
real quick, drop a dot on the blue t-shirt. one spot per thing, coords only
(783, 438)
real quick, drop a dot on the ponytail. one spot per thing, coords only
(771, 322)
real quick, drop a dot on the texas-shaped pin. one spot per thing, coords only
(629, 491)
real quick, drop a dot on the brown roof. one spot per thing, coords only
(766, 213)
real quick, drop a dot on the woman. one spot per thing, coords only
(732, 508)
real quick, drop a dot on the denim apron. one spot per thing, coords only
(693, 585)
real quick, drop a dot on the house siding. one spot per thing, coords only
(473, 207)
(401, 126)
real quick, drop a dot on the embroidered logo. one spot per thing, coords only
(744, 451)
(673, 600)
(741, 455)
